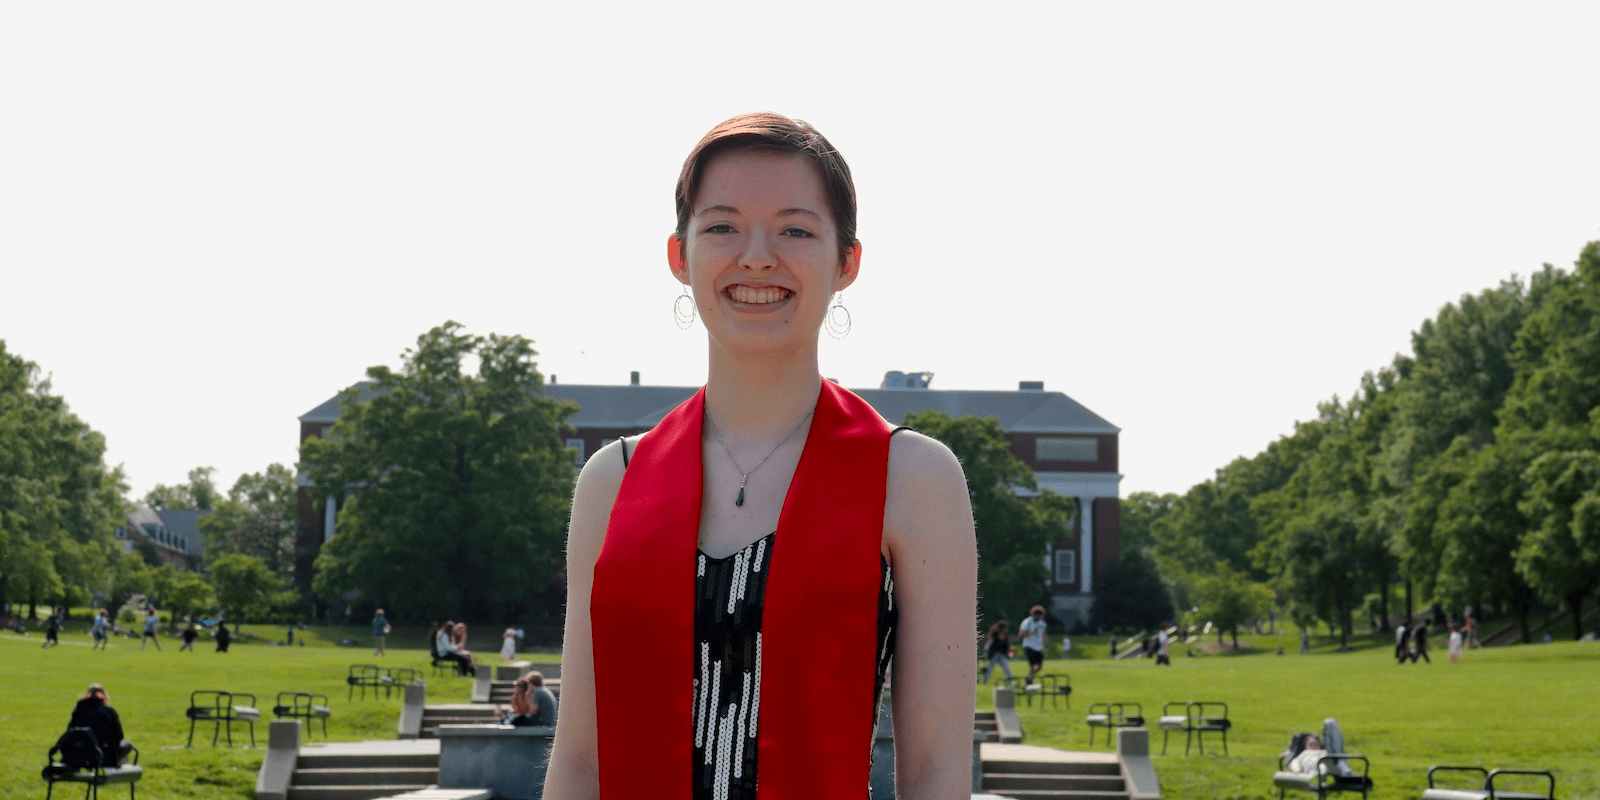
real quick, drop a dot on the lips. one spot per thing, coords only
(757, 295)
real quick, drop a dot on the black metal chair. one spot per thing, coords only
(364, 676)
(1112, 716)
(220, 708)
(89, 768)
(1057, 686)
(1488, 792)
(305, 706)
(1198, 719)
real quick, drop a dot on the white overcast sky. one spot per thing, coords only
(1197, 219)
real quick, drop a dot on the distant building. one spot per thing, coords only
(175, 533)
(1072, 452)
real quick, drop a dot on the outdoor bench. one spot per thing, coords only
(220, 708)
(1113, 715)
(1199, 717)
(364, 676)
(95, 777)
(305, 706)
(1324, 779)
(1488, 791)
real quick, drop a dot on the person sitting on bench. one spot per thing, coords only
(94, 712)
(450, 650)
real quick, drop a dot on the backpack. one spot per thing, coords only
(80, 749)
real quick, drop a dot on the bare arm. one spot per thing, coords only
(928, 527)
(574, 758)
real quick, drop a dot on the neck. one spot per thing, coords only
(760, 398)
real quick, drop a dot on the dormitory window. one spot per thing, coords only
(577, 448)
(1066, 448)
(1066, 566)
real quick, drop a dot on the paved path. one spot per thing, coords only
(994, 751)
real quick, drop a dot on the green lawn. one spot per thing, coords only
(1531, 706)
(1527, 706)
(150, 691)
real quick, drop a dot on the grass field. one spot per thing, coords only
(1532, 706)
(1527, 706)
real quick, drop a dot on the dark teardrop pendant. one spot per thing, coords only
(739, 501)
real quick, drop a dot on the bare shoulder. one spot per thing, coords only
(594, 494)
(927, 493)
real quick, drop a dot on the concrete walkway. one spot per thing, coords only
(378, 747)
(993, 751)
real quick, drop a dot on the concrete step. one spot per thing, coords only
(1053, 794)
(351, 792)
(365, 776)
(1004, 783)
(310, 759)
(1052, 768)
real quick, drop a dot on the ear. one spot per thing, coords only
(849, 268)
(676, 261)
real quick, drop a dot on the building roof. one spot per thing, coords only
(179, 524)
(624, 406)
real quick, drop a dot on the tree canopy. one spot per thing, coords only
(59, 503)
(456, 485)
(1012, 532)
(1468, 470)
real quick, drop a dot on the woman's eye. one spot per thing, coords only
(798, 233)
(721, 227)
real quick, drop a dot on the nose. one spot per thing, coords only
(758, 252)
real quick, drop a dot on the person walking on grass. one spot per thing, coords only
(150, 623)
(1420, 643)
(380, 629)
(52, 630)
(998, 652)
(1033, 640)
(100, 630)
(1401, 650)
(189, 635)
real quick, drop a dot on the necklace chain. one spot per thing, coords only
(745, 473)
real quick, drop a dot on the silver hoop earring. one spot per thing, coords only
(684, 313)
(837, 320)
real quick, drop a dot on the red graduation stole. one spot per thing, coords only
(819, 617)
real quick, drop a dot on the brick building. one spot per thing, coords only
(1072, 452)
(175, 533)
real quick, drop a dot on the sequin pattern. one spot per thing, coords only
(727, 678)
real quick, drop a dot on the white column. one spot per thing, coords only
(328, 513)
(1086, 545)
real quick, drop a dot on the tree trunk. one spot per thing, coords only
(33, 607)
(1383, 593)
(1236, 637)
(1575, 601)
(1408, 599)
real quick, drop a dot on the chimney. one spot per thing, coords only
(633, 378)
(1030, 386)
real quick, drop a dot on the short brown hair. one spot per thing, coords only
(765, 130)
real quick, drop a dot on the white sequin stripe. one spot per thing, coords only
(700, 568)
(761, 551)
(724, 749)
(755, 697)
(716, 691)
(740, 563)
(738, 753)
(702, 698)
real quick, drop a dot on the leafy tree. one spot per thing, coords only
(246, 586)
(456, 486)
(1560, 556)
(258, 519)
(186, 593)
(1140, 511)
(199, 493)
(1229, 599)
(58, 502)
(1012, 532)
(1131, 594)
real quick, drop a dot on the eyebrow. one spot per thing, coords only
(788, 212)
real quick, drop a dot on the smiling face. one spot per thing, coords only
(760, 253)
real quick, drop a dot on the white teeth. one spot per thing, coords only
(754, 295)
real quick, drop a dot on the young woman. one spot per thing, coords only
(997, 650)
(782, 544)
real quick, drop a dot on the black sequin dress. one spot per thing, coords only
(727, 670)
